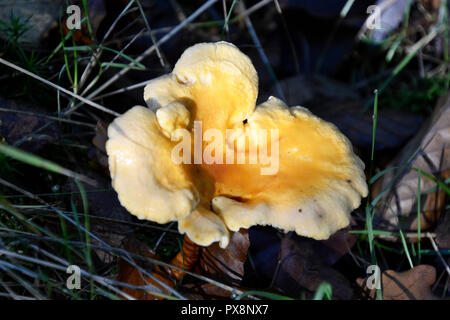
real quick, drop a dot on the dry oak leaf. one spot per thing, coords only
(226, 265)
(443, 231)
(209, 291)
(414, 284)
(223, 264)
(302, 265)
(433, 157)
(133, 276)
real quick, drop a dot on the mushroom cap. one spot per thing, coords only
(309, 181)
(147, 182)
(217, 83)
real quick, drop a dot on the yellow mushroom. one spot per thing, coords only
(202, 154)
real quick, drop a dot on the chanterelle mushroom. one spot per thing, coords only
(310, 185)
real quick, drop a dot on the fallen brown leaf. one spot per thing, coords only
(15, 125)
(226, 265)
(431, 4)
(303, 266)
(133, 276)
(97, 153)
(80, 36)
(414, 284)
(222, 264)
(400, 201)
(101, 136)
(443, 231)
(206, 291)
(340, 242)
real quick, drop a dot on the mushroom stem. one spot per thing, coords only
(186, 258)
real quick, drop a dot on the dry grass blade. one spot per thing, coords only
(122, 90)
(110, 63)
(96, 55)
(436, 249)
(152, 37)
(101, 280)
(263, 55)
(91, 235)
(150, 50)
(84, 124)
(125, 255)
(252, 9)
(84, 100)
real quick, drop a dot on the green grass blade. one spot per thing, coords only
(119, 65)
(434, 179)
(139, 65)
(264, 294)
(405, 247)
(419, 210)
(324, 291)
(227, 19)
(87, 237)
(39, 162)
